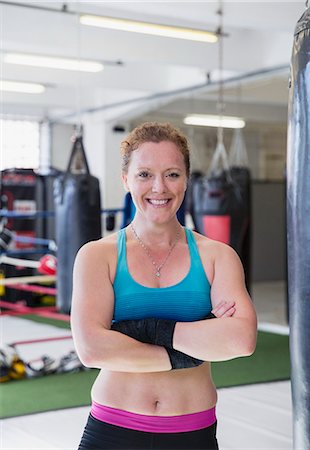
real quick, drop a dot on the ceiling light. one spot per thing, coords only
(52, 63)
(148, 28)
(27, 88)
(205, 120)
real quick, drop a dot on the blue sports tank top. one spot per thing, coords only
(185, 301)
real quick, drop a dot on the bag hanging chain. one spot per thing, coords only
(147, 251)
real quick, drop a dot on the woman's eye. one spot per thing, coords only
(173, 175)
(143, 174)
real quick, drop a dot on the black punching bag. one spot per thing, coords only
(298, 230)
(222, 210)
(78, 218)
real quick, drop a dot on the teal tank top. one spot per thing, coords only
(185, 301)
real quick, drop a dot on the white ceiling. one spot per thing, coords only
(259, 42)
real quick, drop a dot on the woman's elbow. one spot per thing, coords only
(90, 347)
(247, 335)
(89, 354)
(249, 347)
(93, 359)
(86, 359)
(246, 344)
(85, 355)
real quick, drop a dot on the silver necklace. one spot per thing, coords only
(160, 266)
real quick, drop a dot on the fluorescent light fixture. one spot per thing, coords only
(206, 120)
(52, 62)
(148, 28)
(16, 86)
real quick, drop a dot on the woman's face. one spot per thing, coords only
(156, 179)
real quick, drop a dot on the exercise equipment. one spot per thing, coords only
(30, 279)
(18, 261)
(221, 205)
(34, 288)
(189, 196)
(78, 217)
(47, 265)
(298, 230)
(11, 365)
(18, 193)
(20, 309)
(45, 222)
(5, 238)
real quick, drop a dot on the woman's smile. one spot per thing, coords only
(158, 203)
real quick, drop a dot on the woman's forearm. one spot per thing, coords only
(217, 339)
(111, 350)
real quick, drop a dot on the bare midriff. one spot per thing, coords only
(170, 393)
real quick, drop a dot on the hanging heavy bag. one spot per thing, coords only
(298, 229)
(212, 206)
(241, 225)
(221, 204)
(241, 176)
(212, 198)
(45, 226)
(78, 218)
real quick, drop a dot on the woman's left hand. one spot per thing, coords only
(224, 309)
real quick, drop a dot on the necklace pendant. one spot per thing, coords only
(157, 273)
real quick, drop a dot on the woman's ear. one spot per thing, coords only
(125, 183)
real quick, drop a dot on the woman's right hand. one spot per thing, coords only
(224, 309)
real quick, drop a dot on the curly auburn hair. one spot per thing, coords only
(154, 132)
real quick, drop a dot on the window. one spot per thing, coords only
(20, 144)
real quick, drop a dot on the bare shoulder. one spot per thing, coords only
(103, 247)
(218, 257)
(214, 249)
(98, 256)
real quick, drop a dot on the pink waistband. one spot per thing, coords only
(153, 424)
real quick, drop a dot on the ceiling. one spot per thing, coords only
(145, 73)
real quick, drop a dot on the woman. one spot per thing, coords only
(140, 309)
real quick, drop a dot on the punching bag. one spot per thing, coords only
(222, 209)
(241, 241)
(78, 218)
(298, 230)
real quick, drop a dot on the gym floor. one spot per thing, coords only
(255, 417)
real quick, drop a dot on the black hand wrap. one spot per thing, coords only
(180, 360)
(157, 332)
(161, 331)
(133, 328)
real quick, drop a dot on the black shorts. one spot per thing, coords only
(100, 435)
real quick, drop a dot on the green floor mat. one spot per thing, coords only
(270, 362)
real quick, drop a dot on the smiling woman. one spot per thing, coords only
(156, 178)
(142, 300)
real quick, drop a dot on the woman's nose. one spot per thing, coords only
(158, 184)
